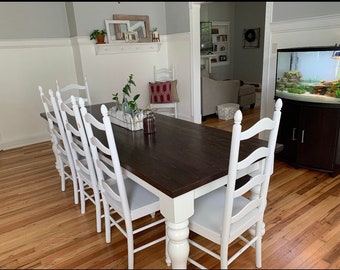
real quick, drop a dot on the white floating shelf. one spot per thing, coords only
(126, 47)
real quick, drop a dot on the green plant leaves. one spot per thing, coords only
(127, 91)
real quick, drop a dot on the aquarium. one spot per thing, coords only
(309, 74)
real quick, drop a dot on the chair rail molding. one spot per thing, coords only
(126, 47)
(317, 23)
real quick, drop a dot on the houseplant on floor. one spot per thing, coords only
(99, 35)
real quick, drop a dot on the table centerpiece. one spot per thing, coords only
(127, 114)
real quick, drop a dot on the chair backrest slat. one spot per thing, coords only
(76, 90)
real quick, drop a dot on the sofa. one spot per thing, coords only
(215, 92)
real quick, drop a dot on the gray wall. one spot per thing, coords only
(91, 15)
(222, 11)
(19, 20)
(177, 17)
(283, 11)
(69, 19)
(248, 62)
(65, 19)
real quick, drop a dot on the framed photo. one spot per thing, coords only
(131, 36)
(223, 58)
(222, 47)
(214, 31)
(251, 38)
(222, 38)
(213, 60)
(111, 27)
(139, 23)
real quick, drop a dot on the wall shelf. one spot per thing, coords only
(125, 47)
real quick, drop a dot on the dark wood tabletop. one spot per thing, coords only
(179, 157)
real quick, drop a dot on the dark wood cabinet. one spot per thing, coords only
(309, 132)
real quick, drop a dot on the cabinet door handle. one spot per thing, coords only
(302, 135)
(293, 134)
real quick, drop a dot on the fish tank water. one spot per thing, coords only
(308, 74)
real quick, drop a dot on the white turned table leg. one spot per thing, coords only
(178, 246)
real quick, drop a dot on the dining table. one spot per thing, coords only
(179, 162)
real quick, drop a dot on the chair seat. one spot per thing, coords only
(143, 204)
(209, 220)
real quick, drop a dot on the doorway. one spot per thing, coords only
(241, 69)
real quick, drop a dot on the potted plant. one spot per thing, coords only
(127, 106)
(99, 35)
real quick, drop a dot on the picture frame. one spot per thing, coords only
(222, 58)
(222, 47)
(131, 36)
(138, 23)
(111, 26)
(214, 31)
(221, 38)
(251, 38)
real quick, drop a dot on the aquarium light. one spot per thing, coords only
(336, 52)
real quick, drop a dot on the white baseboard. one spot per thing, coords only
(24, 141)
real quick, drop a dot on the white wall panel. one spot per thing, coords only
(24, 65)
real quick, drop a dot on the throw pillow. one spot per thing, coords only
(160, 92)
(174, 95)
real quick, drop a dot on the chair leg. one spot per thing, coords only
(98, 211)
(258, 251)
(129, 237)
(58, 163)
(75, 188)
(107, 221)
(62, 176)
(259, 231)
(82, 196)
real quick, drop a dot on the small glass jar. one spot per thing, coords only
(149, 122)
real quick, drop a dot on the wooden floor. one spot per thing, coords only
(41, 227)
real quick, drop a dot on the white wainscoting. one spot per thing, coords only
(26, 64)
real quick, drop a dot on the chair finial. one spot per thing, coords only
(238, 117)
(103, 109)
(81, 102)
(278, 104)
(50, 91)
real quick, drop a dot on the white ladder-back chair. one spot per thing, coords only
(129, 201)
(66, 166)
(163, 75)
(47, 105)
(76, 90)
(82, 158)
(228, 213)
